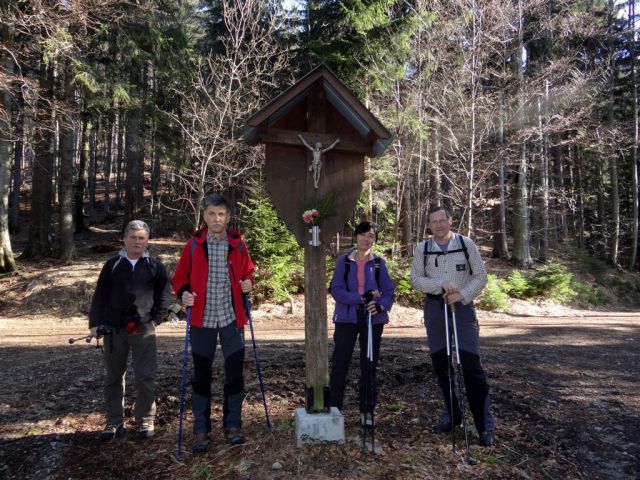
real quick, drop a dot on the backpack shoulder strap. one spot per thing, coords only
(347, 269)
(466, 253)
(115, 264)
(192, 249)
(153, 266)
(425, 253)
(376, 262)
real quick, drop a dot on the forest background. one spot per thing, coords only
(519, 116)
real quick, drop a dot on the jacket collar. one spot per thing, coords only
(233, 236)
(352, 255)
(452, 241)
(123, 253)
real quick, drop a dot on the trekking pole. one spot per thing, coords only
(247, 306)
(461, 388)
(184, 381)
(86, 338)
(449, 373)
(370, 382)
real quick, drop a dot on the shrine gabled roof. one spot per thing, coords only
(340, 97)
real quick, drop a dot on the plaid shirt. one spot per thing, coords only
(218, 310)
(452, 268)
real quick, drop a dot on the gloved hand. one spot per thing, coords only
(368, 297)
(373, 308)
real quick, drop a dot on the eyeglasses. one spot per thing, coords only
(438, 222)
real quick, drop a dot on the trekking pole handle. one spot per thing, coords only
(86, 338)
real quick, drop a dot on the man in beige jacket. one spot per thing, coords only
(449, 270)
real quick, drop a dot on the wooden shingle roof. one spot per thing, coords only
(375, 137)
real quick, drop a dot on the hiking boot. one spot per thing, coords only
(487, 439)
(200, 443)
(234, 435)
(111, 431)
(366, 420)
(443, 427)
(146, 430)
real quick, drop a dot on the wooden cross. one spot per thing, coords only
(318, 110)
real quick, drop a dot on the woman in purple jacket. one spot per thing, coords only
(361, 286)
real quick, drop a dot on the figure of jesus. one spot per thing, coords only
(316, 164)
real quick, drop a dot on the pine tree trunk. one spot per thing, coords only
(65, 184)
(474, 101)
(155, 176)
(108, 162)
(93, 169)
(18, 160)
(38, 243)
(503, 249)
(133, 154)
(614, 224)
(521, 247)
(579, 198)
(437, 180)
(119, 162)
(598, 230)
(564, 182)
(406, 210)
(615, 212)
(634, 150)
(82, 175)
(7, 262)
(544, 180)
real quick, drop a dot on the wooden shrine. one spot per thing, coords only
(317, 134)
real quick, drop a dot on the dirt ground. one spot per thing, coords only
(565, 389)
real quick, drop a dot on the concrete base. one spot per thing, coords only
(317, 428)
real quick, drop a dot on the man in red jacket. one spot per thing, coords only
(213, 273)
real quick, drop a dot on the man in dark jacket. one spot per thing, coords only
(131, 298)
(213, 273)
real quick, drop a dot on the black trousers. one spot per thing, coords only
(344, 339)
(475, 382)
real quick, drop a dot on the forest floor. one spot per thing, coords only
(564, 382)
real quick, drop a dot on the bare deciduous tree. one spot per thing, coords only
(229, 85)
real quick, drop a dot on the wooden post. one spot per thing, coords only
(315, 328)
(315, 281)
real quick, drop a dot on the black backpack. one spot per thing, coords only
(427, 247)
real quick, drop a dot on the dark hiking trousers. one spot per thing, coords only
(475, 380)
(143, 352)
(203, 348)
(344, 339)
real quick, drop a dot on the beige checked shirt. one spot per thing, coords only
(452, 267)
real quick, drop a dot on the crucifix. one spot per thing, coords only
(316, 164)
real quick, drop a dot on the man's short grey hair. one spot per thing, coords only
(136, 225)
(216, 200)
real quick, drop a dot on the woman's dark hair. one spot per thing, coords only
(364, 227)
(216, 200)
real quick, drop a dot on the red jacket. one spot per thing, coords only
(191, 274)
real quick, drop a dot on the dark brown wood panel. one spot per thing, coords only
(350, 143)
(287, 173)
